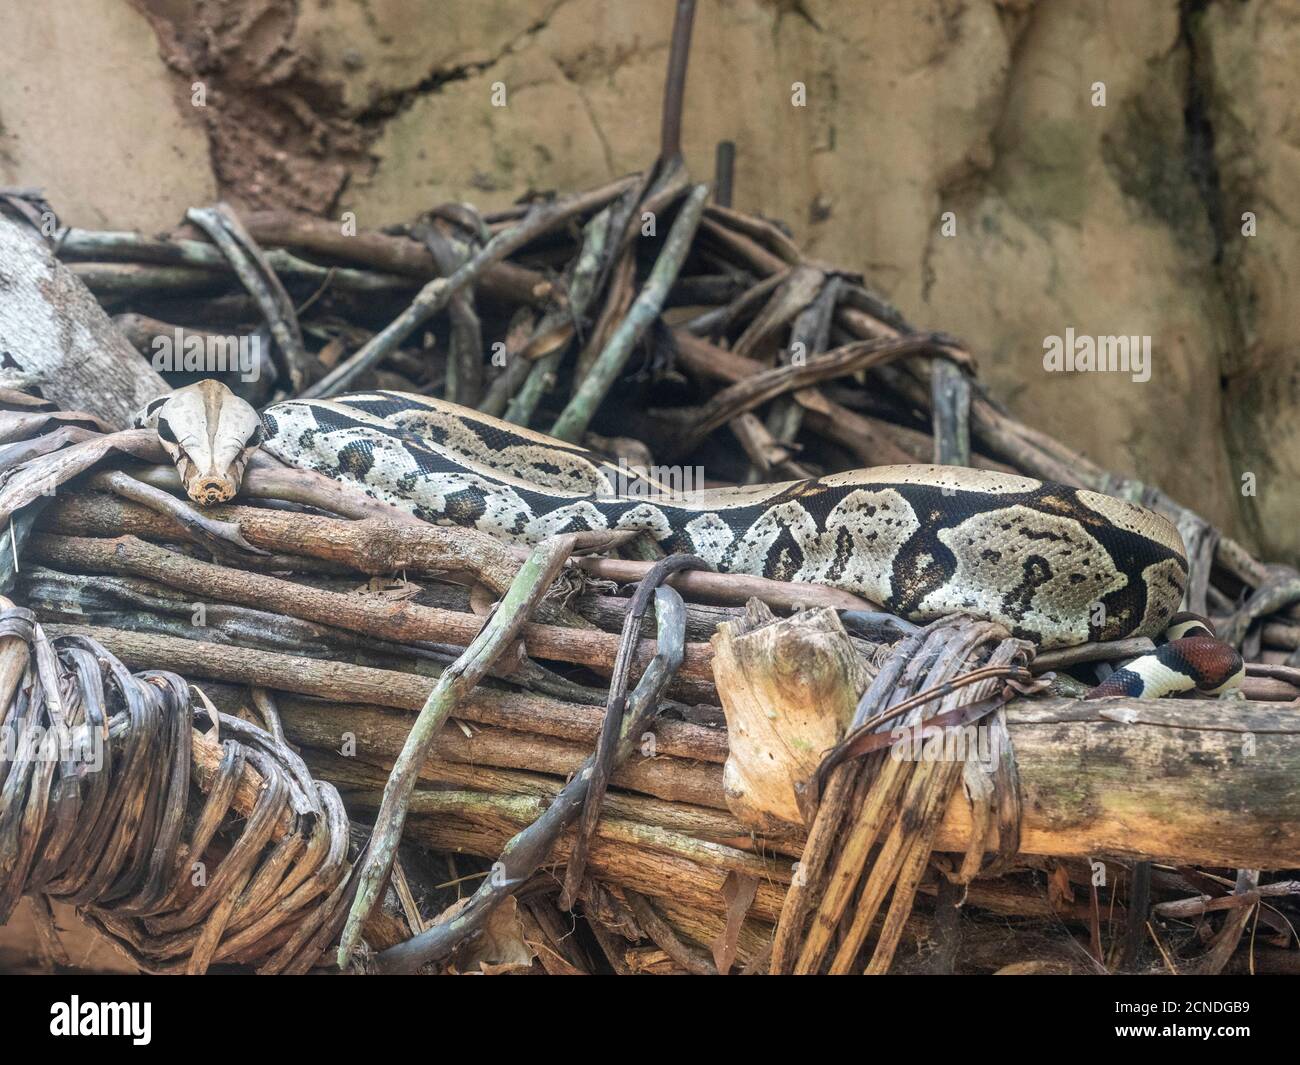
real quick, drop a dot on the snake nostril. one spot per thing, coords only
(211, 490)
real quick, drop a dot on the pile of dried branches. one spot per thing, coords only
(562, 757)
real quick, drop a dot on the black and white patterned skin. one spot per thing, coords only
(1055, 564)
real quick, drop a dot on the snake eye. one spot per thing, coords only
(165, 431)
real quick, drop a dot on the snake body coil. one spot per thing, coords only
(1055, 564)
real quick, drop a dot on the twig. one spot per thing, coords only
(767, 234)
(256, 275)
(732, 588)
(950, 392)
(216, 535)
(665, 938)
(724, 172)
(603, 760)
(573, 422)
(1139, 905)
(96, 255)
(1234, 924)
(1107, 651)
(796, 293)
(465, 363)
(526, 852)
(1275, 594)
(612, 945)
(264, 700)
(531, 583)
(679, 53)
(587, 268)
(809, 334)
(1094, 927)
(750, 393)
(437, 293)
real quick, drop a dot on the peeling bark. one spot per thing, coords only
(51, 325)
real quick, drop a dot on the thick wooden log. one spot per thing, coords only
(1213, 781)
(1209, 781)
(1187, 781)
(51, 326)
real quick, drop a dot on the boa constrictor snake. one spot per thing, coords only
(1056, 565)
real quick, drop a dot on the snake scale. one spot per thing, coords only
(1055, 564)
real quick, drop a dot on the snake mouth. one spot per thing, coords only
(206, 491)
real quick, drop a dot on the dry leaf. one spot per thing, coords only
(500, 947)
(738, 891)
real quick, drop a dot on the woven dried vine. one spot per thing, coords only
(187, 848)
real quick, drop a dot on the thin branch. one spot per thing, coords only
(665, 938)
(532, 582)
(216, 535)
(603, 760)
(259, 278)
(679, 54)
(526, 852)
(573, 422)
(438, 293)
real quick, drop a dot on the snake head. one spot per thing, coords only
(210, 434)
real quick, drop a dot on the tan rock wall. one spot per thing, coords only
(87, 112)
(1248, 58)
(1122, 219)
